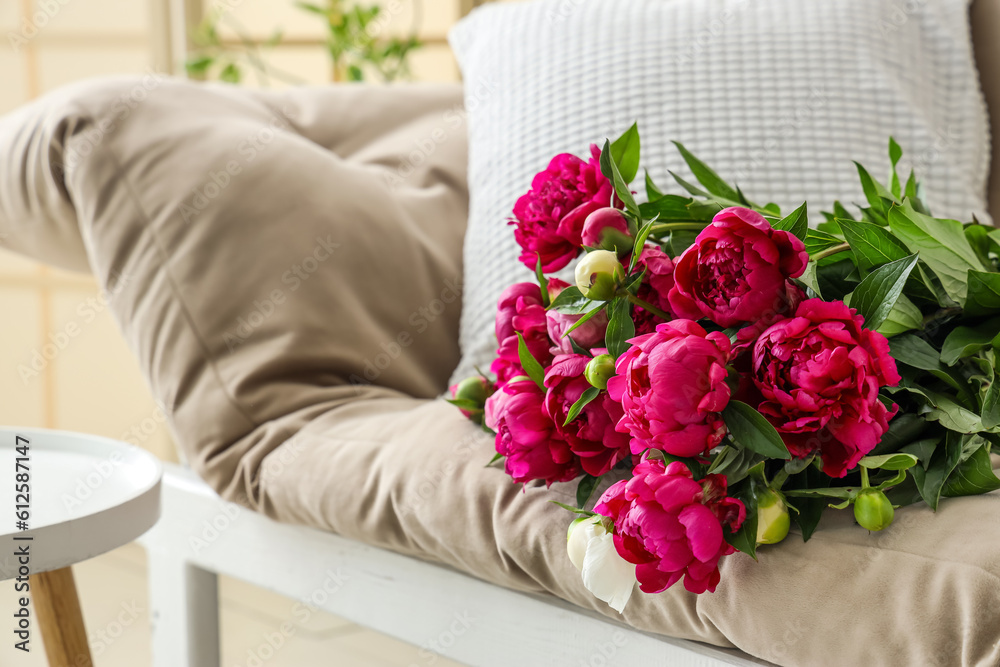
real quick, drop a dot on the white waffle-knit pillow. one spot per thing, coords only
(778, 95)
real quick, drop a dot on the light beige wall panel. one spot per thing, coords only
(259, 18)
(97, 16)
(22, 394)
(98, 386)
(433, 18)
(60, 65)
(13, 84)
(12, 265)
(307, 63)
(434, 63)
(9, 17)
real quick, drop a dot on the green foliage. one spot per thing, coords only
(355, 42)
(928, 284)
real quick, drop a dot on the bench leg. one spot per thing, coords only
(60, 620)
(184, 604)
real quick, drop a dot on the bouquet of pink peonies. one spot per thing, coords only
(735, 369)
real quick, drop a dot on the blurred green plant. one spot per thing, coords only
(354, 40)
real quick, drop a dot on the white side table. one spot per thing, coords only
(85, 496)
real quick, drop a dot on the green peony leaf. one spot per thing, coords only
(979, 238)
(586, 316)
(876, 296)
(543, 282)
(465, 404)
(972, 476)
(905, 316)
(951, 415)
(872, 245)
(735, 463)
(966, 341)
(675, 208)
(745, 537)
(585, 489)
(652, 192)
(574, 411)
(930, 482)
(818, 241)
(835, 492)
(916, 352)
(877, 195)
(625, 153)
(572, 302)
(531, 367)
(680, 241)
(751, 430)
(924, 449)
(895, 153)
(991, 404)
(896, 461)
(983, 294)
(620, 328)
(640, 243)
(610, 171)
(797, 223)
(942, 246)
(707, 177)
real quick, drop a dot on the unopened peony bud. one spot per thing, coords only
(772, 518)
(476, 390)
(607, 228)
(599, 274)
(599, 369)
(873, 510)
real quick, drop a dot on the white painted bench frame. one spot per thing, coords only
(468, 620)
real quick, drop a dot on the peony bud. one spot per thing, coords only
(475, 389)
(599, 369)
(599, 274)
(606, 574)
(772, 518)
(607, 228)
(873, 510)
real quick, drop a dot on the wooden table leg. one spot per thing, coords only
(57, 608)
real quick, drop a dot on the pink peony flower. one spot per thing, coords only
(656, 285)
(736, 270)
(550, 216)
(820, 373)
(592, 435)
(671, 526)
(527, 437)
(587, 335)
(520, 310)
(672, 386)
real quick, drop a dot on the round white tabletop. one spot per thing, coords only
(85, 495)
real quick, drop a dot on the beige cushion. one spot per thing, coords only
(275, 422)
(274, 254)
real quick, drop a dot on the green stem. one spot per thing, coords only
(864, 478)
(692, 226)
(779, 479)
(648, 306)
(841, 247)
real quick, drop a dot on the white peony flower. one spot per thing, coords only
(607, 575)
